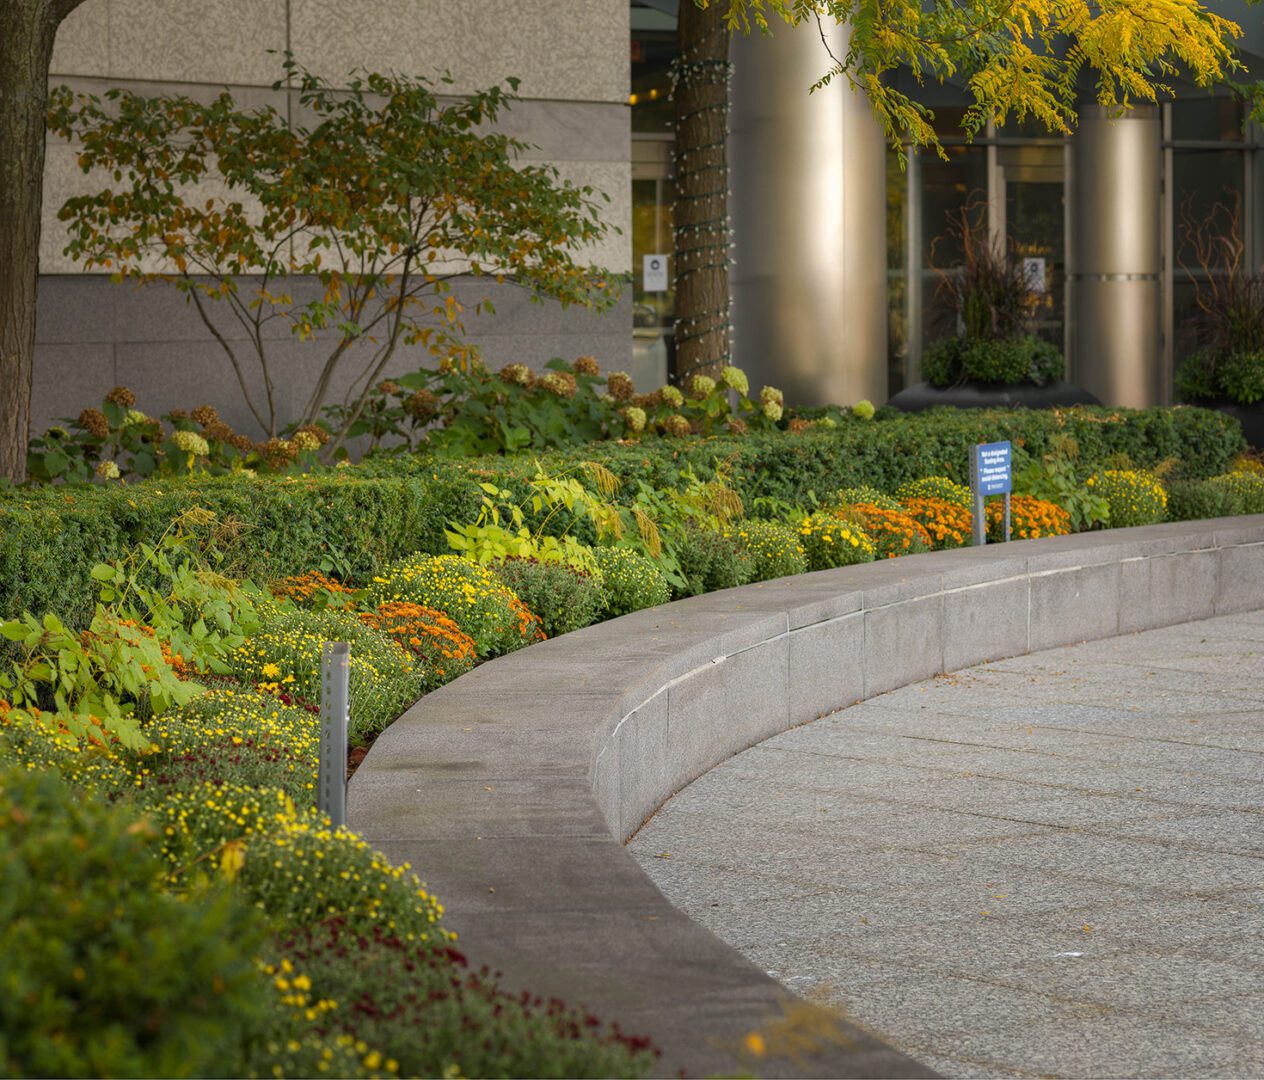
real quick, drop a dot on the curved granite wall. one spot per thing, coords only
(513, 788)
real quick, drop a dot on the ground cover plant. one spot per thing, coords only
(213, 805)
(168, 675)
(1228, 322)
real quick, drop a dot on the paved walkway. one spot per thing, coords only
(1047, 866)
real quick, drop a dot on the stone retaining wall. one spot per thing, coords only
(513, 788)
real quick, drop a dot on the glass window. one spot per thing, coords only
(653, 48)
(897, 233)
(948, 119)
(1203, 119)
(652, 341)
(946, 187)
(1027, 128)
(1203, 182)
(1185, 317)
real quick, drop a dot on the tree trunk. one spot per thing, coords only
(26, 49)
(701, 96)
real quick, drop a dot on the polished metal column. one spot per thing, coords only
(1116, 217)
(809, 220)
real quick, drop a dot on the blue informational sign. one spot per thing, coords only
(993, 472)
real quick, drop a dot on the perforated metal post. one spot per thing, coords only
(976, 489)
(1007, 533)
(331, 785)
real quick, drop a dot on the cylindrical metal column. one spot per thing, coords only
(1116, 215)
(809, 221)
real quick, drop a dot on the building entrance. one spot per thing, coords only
(1029, 211)
(653, 283)
(1019, 179)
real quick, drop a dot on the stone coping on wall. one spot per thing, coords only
(513, 789)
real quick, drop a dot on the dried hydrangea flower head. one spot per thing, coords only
(205, 415)
(619, 385)
(305, 441)
(277, 453)
(587, 365)
(560, 383)
(676, 426)
(315, 430)
(517, 375)
(422, 406)
(93, 421)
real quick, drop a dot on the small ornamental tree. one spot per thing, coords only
(384, 196)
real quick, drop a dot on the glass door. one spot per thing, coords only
(653, 282)
(1030, 212)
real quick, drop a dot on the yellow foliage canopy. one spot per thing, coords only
(1017, 58)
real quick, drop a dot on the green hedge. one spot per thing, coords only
(357, 520)
(51, 537)
(889, 451)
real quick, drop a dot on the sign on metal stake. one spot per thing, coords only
(331, 784)
(991, 473)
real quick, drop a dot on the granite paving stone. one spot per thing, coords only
(1046, 866)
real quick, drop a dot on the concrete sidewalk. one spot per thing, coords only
(1052, 865)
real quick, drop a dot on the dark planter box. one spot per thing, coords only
(978, 395)
(1251, 417)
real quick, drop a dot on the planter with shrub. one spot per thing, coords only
(1230, 382)
(990, 357)
(1226, 371)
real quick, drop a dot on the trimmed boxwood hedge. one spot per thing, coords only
(890, 451)
(356, 520)
(51, 537)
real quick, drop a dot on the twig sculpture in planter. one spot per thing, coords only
(1226, 371)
